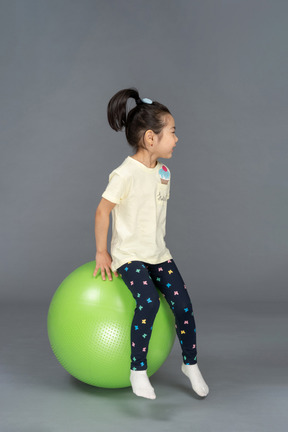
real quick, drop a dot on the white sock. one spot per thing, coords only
(141, 385)
(196, 379)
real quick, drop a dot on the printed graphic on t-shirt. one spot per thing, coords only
(164, 175)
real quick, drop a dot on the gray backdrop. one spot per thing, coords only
(221, 67)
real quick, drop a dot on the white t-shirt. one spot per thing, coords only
(139, 216)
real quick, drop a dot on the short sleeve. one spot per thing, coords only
(117, 188)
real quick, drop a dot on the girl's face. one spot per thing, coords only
(166, 141)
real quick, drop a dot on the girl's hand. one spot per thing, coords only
(103, 261)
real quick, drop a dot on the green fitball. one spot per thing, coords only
(89, 326)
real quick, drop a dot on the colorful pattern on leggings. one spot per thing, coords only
(142, 279)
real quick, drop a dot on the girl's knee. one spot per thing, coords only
(182, 310)
(148, 305)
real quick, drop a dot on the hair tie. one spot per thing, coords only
(144, 100)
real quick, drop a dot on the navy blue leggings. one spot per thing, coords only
(142, 279)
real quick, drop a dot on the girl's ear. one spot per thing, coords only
(149, 137)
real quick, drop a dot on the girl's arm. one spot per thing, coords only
(102, 219)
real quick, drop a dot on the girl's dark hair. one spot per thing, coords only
(142, 117)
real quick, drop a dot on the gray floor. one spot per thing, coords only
(242, 354)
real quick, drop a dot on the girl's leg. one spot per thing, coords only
(136, 277)
(167, 278)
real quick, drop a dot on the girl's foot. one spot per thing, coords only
(141, 385)
(197, 381)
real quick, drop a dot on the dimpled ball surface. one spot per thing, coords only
(89, 322)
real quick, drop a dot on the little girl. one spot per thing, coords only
(137, 195)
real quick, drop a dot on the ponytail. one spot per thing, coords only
(137, 121)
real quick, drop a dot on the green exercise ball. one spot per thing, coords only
(89, 322)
